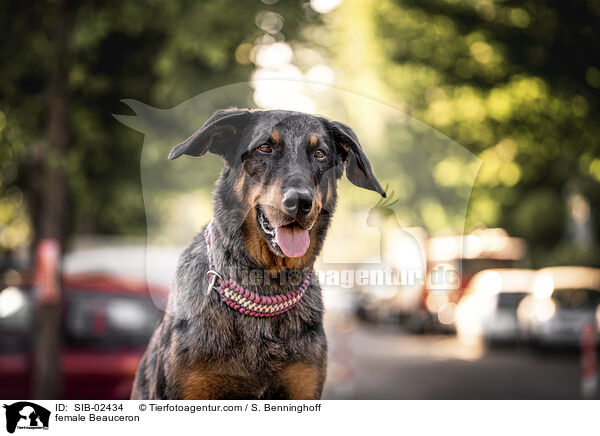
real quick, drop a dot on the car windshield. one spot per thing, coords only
(576, 298)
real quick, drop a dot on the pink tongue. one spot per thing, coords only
(292, 239)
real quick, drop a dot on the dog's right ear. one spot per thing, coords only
(358, 168)
(216, 135)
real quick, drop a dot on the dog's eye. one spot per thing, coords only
(319, 154)
(265, 148)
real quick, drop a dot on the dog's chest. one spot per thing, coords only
(252, 360)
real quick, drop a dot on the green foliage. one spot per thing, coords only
(159, 52)
(517, 83)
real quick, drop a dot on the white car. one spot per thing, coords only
(488, 309)
(564, 300)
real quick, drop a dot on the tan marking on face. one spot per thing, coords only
(239, 188)
(275, 136)
(317, 205)
(257, 246)
(271, 198)
(303, 381)
(266, 197)
(251, 195)
(313, 139)
(329, 194)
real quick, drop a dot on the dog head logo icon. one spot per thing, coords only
(26, 415)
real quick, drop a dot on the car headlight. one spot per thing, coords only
(435, 301)
(11, 301)
(543, 286)
(544, 310)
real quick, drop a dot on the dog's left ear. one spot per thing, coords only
(358, 167)
(217, 135)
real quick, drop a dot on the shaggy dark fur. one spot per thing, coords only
(203, 349)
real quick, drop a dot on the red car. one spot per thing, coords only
(107, 322)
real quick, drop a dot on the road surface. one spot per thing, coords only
(374, 362)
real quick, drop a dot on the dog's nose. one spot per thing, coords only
(297, 202)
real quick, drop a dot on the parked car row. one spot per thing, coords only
(473, 287)
(450, 263)
(547, 308)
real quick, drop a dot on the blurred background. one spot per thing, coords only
(481, 115)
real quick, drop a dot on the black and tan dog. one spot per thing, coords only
(272, 207)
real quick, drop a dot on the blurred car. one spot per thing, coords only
(107, 322)
(488, 309)
(453, 261)
(564, 300)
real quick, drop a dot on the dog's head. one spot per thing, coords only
(281, 170)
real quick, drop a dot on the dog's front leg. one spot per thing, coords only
(302, 380)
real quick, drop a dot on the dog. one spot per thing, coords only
(244, 318)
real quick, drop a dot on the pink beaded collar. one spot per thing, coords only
(247, 302)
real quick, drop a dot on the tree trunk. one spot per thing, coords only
(52, 214)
